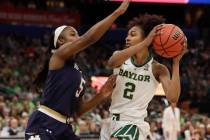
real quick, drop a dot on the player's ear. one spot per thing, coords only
(60, 41)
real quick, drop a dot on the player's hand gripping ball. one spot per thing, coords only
(170, 41)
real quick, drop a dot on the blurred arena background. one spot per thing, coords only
(25, 27)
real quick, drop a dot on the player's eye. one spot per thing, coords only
(133, 33)
(72, 34)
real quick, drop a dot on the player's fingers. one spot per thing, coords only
(185, 38)
(186, 51)
(158, 33)
(185, 42)
(123, 7)
(153, 32)
(159, 27)
(125, 3)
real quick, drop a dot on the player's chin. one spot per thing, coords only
(69, 42)
(127, 45)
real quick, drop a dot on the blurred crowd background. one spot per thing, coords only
(22, 56)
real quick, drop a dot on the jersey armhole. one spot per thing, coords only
(116, 70)
(153, 76)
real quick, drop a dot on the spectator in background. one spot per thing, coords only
(171, 122)
(1, 124)
(105, 123)
(28, 104)
(6, 115)
(154, 131)
(12, 129)
(23, 123)
(83, 127)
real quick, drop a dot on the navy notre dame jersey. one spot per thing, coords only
(63, 88)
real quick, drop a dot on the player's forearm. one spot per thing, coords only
(87, 106)
(175, 87)
(105, 92)
(96, 32)
(120, 57)
(90, 37)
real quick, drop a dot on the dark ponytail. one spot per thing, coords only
(42, 75)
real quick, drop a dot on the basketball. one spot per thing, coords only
(169, 42)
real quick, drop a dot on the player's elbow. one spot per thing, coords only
(173, 99)
(114, 62)
(111, 63)
(172, 93)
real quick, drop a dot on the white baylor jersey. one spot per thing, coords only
(135, 88)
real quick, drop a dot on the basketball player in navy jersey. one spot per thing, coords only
(64, 84)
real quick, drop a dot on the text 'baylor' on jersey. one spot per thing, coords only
(135, 87)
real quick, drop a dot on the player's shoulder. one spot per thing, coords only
(158, 66)
(115, 52)
(159, 69)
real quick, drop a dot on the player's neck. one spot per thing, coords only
(141, 58)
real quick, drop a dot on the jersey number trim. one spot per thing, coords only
(130, 87)
(36, 137)
(81, 87)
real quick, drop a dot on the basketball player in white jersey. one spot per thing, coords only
(138, 76)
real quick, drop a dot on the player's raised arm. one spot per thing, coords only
(119, 57)
(171, 84)
(92, 35)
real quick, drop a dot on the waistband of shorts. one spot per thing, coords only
(123, 117)
(55, 115)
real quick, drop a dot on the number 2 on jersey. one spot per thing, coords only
(130, 87)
